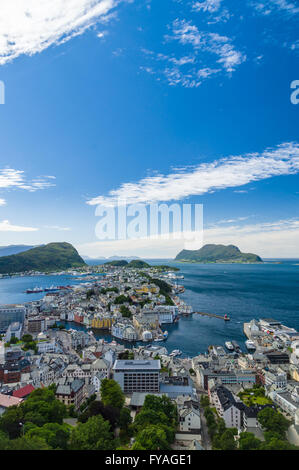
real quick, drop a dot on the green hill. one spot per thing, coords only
(51, 257)
(135, 263)
(217, 254)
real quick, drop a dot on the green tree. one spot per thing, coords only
(153, 437)
(273, 421)
(112, 394)
(10, 421)
(125, 418)
(248, 441)
(93, 435)
(24, 443)
(55, 435)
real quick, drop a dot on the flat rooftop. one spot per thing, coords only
(137, 365)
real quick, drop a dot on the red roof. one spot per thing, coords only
(23, 392)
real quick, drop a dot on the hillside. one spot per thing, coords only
(135, 263)
(14, 249)
(51, 257)
(217, 254)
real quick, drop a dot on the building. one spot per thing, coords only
(14, 331)
(137, 376)
(10, 314)
(276, 379)
(23, 392)
(36, 325)
(7, 400)
(227, 377)
(189, 415)
(71, 393)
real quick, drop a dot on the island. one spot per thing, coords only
(50, 257)
(217, 254)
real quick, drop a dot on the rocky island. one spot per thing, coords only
(217, 254)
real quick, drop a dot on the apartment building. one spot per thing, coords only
(138, 376)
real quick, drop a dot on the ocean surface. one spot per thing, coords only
(244, 292)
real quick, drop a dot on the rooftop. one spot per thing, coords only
(133, 365)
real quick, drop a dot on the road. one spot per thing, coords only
(205, 438)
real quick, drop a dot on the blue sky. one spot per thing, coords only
(158, 101)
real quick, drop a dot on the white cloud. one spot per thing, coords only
(10, 178)
(187, 33)
(207, 5)
(231, 172)
(2, 202)
(57, 227)
(267, 7)
(28, 27)
(270, 239)
(275, 239)
(6, 226)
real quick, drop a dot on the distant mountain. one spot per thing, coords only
(217, 254)
(51, 257)
(14, 249)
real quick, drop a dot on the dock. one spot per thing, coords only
(214, 315)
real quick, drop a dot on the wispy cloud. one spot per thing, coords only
(6, 226)
(267, 7)
(205, 54)
(207, 5)
(2, 202)
(32, 26)
(11, 178)
(231, 172)
(57, 227)
(228, 57)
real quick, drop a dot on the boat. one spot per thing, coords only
(229, 345)
(175, 352)
(165, 334)
(51, 289)
(236, 346)
(35, 290)
(250, 345)
(226, 317)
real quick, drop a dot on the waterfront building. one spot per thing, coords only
(137, 376)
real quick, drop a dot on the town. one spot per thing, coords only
(140, 396)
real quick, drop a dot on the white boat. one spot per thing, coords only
(250, 345)
(229, 346)
(175, 352)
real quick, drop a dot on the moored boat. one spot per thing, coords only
(229, 345)
(250, 345)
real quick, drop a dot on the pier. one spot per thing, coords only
(214, 315)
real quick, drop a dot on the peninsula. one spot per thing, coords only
(50, 257)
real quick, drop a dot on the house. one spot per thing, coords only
(7, 400)
(189, 415)
(23, 392)
(71, 393)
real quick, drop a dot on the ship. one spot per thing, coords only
(36, 290)
(229, 345)
(250, 345)
(236, 346)
(51, 289)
